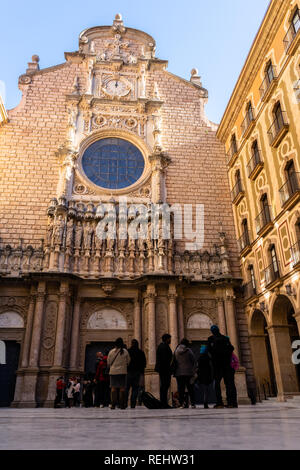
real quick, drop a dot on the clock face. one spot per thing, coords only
(116, 87)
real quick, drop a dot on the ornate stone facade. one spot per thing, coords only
(260, 129)
(81, 290)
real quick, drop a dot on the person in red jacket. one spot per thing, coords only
(102, 380)
(60, 386)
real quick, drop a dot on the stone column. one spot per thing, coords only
(75, 334)
(221, 316)
(231, 324)
(297, 318)
(57, 368)
(137, 321)
(28, 332)
(181, 332)
(172, 295)
(151, 295)
(31, 373)
(37, 325)
(285, 371)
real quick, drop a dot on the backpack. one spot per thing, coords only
(151, 402)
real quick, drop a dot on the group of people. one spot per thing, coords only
(216, 361)
(121, 371)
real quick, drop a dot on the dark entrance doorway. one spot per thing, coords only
(90, 354)
(8, 373)
(195, 346)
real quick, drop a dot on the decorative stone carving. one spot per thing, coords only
(107, 319)
(48, 335)
(199, 321)
(11, 319)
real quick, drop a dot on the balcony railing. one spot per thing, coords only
(295, 253)
(237, 190)
(271, 274)
(249, 291)
(244, 241)
(249, 119)
(278, 125)
(233, 150)
(291, 34)
(254, 162)
(263, 219)
(270, 77)
(290, 187)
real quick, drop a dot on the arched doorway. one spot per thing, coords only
(282, 332)
(198, 331)
(103, 328)
(262, 356)
(11, 329)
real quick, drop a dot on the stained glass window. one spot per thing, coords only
(113, 163)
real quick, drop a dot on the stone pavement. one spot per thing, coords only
(270, 425)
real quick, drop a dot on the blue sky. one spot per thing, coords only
(213, 36)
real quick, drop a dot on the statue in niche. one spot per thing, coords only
(49, 233)
(78, 235)
(58, 231)
(88, 236)
(70, 233)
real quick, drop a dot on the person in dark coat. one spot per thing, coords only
(163, 367)
(97, 384)
(184, 372)
(135, 369)
(87, 392)
(60, 387)
(205, 373)
(221, 350)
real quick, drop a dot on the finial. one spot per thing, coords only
(118, 17)
(34, 64)
(118, 25)
(195, 78)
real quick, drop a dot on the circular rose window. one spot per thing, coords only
(113, 163)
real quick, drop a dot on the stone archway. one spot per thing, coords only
(282, 331)
(261, 355)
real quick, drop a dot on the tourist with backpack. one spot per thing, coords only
(221, 350)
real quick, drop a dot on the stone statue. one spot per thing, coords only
(70, 233)
(88, 236)
(58, 231)
(78, 235)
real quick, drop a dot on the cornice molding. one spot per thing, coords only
(255, 59)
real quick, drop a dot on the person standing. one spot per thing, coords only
(221, 350)
(70, 393)
(87, 392)
(102, 381)
(76, 393)
(184, 371)
(205, 373)
(99, 357)
(117, 361)
(163, 367)
(136, 369)
(60, 386)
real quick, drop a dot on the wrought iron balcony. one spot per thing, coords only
(237, 193)
(249, 291)
(278, 129)
(232, 152)
(271, 274)
(268, 82)
(290, 189)
(295, 253)
(244, 242)
(248, 122)
(254, 165)
(264, 220)
(293, 31)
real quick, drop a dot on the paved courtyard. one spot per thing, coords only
(270, 425)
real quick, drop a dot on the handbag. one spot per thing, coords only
(107, 369)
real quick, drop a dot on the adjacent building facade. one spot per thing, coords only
(3, 113)
(261, 131)
(111, 121)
